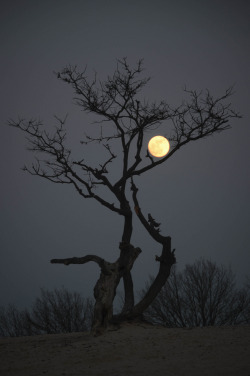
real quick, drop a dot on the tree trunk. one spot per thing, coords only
(127, 278)
(111, 274)
(105, 288)
(167, 259)
(129, 299)
(104, 293)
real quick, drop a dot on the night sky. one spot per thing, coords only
(200, 195)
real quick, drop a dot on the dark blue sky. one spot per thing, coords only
(201, 195)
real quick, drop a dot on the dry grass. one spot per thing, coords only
(131, 350)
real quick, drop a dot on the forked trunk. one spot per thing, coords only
(105, 288)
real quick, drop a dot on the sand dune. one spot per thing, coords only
(131, 350)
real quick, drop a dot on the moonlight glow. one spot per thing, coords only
(158, 146)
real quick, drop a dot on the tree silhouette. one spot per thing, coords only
(57, 311)
(118, 103)
(203, 294)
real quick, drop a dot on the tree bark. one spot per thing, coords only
(129, 299)
(104, 293)
(127, 278)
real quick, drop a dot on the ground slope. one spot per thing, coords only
(131, 350)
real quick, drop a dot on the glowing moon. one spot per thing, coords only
(158, 146)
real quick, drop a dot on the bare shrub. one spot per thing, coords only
(61, 311)
(13, 322)
(203, 294)
(57, 311)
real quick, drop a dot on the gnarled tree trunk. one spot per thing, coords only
(105, 288)
(111, 273)
(167, 259)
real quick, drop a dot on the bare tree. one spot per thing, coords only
(247, 292)
(203, 294)
(125, 118)
(14, 323)
(61, 311)
(57, 311)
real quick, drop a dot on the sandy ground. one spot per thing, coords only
(131, 350)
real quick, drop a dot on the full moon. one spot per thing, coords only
(158, 146)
